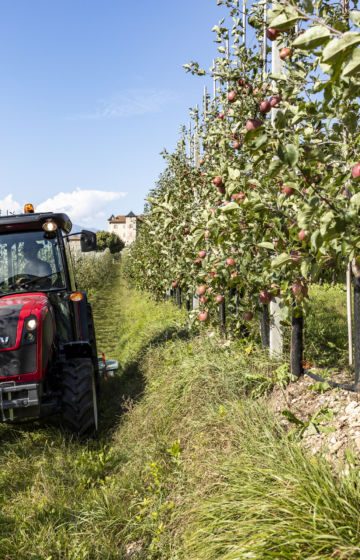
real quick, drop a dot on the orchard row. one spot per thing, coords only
(271, 201)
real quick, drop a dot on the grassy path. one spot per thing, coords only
(55, 492)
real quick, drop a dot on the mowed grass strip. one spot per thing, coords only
(54, 488)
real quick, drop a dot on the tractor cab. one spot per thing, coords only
(48, 356)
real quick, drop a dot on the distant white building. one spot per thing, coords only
(125, 227)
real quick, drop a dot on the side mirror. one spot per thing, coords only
(88, 241)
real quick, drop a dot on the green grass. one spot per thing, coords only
(326, 336)
(190, 464)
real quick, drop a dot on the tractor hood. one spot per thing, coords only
(19, 345)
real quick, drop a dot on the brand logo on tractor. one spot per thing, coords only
(4, 340)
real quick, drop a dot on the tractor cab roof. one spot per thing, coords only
(34, 221)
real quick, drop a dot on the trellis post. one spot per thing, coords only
(276, 330)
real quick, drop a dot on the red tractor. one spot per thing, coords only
(48, 356)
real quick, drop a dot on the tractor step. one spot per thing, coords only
(108, 367)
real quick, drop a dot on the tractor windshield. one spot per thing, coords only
(30, 262)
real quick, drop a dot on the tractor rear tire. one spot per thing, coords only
(79, 397)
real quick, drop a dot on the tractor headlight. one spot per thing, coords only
(31, 324)
(50, 226)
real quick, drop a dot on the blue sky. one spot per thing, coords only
(91, 92)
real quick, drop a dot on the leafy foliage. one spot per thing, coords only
(111, 241)
(273, 204)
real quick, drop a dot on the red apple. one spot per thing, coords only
(201, 290)
(297, 288)
(202, 254)
(272, 34)
(242, 82)
(248, 316)
(285, 53)
(355, 172)
(253, 124)
(302, 235)
(265, 106)
(203, 299)
(275, 100)
(219, 298)
(231, 96)
(238, 196)
(265, 297)
(221, 116)
(230, 261)
(287, 191)
(236, 145)
(217, 181)
(203, 316)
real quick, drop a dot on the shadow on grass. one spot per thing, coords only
(116, 394)
(128, 386)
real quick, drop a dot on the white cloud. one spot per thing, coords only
(85, 207)
(9, 205)
(133, 102)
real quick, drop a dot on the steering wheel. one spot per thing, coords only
(21, 279)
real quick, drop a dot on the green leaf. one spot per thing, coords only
(229, 207)
(312, 38)
(308, 6)
(234, 174)
(285, 20)
(352, 66)
(316, 240)
(275, 167)
(280, 260)
(259, 142)
(355, 201)
(355, 17)
(290, 416)
(305, 268)
(337, 47)
(289, 154)
(280, 120)
(266, 245)
(198, 236)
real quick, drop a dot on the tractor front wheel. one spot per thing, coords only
(79, 397)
